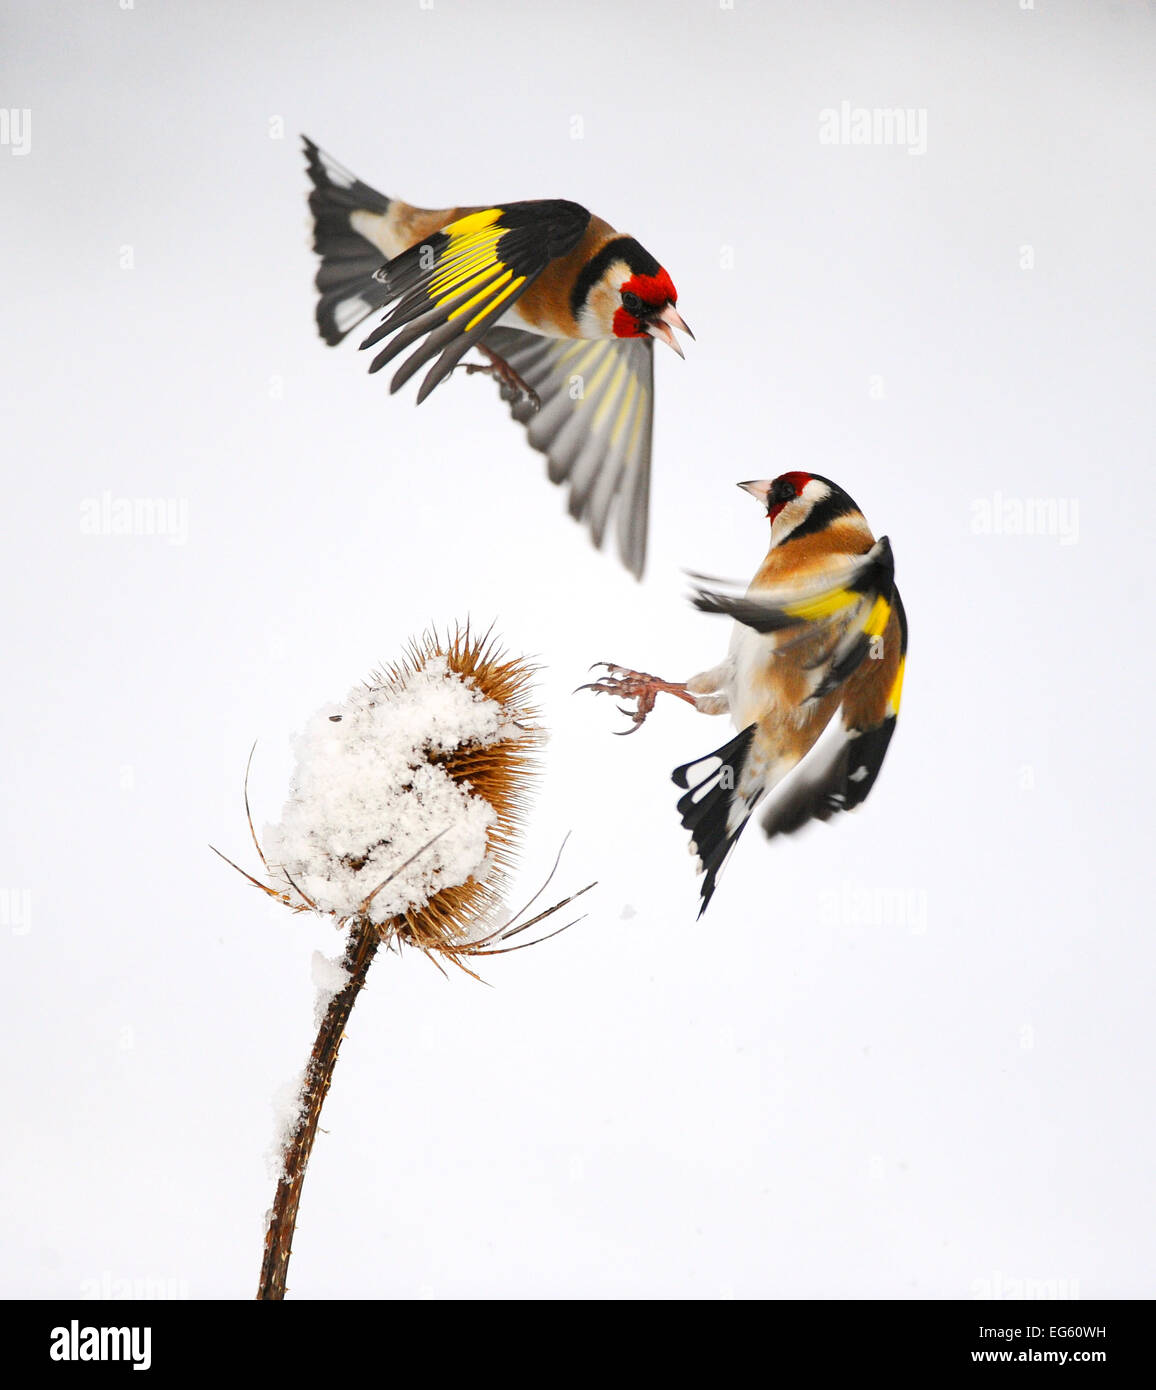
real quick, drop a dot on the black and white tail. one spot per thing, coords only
(348, 291)
(838, 783)
(717, 805)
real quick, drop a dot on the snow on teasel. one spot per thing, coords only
(406, 798)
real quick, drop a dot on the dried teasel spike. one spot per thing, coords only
(256, 882)
(363, 906)
(248, 813)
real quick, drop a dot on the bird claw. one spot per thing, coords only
(512, 387)
(627, 685)
(637, 718)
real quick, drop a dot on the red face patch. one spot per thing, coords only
(655, 292)
(785, 488)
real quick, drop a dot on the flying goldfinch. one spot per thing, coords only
(564, 309)
(821, 628)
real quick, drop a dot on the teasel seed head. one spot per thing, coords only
(408, 802)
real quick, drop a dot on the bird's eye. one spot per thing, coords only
(782, 491)
(632, 304)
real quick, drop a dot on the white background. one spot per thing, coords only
(908, 1055)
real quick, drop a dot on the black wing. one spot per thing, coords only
(452, 288)
(849, 767)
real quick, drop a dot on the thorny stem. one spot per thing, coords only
(364, 939)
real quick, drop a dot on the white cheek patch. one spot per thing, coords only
(786, 521)
(588, 324)
(596, 317)
(796, 512)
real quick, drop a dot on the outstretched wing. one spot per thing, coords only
(453, 287)
(594, 425)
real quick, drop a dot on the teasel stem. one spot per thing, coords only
(364, 939)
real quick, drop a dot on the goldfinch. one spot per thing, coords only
(821, 628)
(565, 309)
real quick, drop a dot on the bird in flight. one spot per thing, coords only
(564, 310)
(820, 629)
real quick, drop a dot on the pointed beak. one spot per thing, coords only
(759, 491)
(663, 325)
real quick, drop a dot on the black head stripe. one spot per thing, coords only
(822, 514)
(623, 248)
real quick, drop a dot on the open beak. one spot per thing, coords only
(759, 491)
(663, 325)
